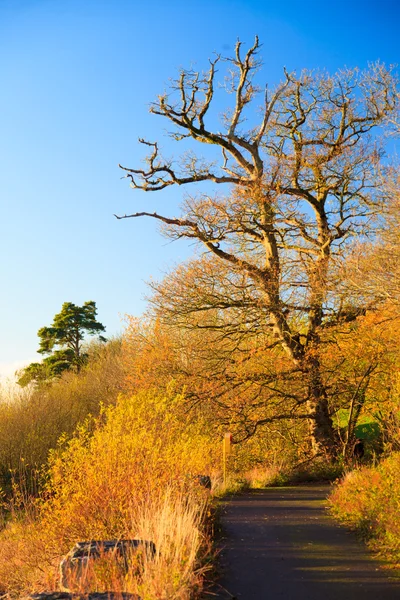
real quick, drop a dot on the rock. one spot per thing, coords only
(74, 564)
(204, 481)
(92, 596)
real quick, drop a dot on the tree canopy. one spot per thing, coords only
(301, 183)
(62, 341)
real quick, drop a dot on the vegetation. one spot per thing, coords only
(129, 473)
(284, 332)
(368, 500)
(67, 333)
(32, 420)
(304, 179)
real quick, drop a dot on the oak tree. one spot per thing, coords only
(300, 180)
(372, 273)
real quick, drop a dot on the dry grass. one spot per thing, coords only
(129, 475)
(29, 561)
(261, 477)
(368, 500)
(174, 524)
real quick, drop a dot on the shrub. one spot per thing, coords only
(129, 473)
(32, 420)
(368, 500)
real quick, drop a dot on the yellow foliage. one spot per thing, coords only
(130, 473)
(32, 420)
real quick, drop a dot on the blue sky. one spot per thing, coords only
(76, 81)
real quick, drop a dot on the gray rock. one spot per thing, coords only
(204, 481)
(92, 596)
(74, 564)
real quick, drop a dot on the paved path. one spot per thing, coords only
(281, 543)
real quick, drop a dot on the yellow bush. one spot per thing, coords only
(130, 473)
(32, 420)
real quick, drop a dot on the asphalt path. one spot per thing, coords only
(282, 543)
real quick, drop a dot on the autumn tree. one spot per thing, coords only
(372, 273)
(300, 179)
(63, 341)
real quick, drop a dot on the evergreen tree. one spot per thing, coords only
(63, 341)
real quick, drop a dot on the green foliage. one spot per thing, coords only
(51, 367)
(69, 327)
(66, 333)
(368, 431)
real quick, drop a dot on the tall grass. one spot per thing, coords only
(33, 419)
(174, 524)
(128, 474)
(368, 500)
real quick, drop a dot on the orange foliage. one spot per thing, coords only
(147, 355)
(369, 500)
(363, 357)
(132, 473)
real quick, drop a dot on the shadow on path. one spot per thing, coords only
(282, 543)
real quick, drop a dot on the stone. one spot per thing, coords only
(204, 481)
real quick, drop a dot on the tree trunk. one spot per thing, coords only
(322, 435)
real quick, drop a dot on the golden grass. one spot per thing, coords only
(368, 499)
(130, 474)
(174, 524)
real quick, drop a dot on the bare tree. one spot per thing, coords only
(300, 182)
(372, 272)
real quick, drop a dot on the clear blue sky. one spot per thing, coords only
(76, 80)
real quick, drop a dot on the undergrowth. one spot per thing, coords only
(131, 473)
(368, 500)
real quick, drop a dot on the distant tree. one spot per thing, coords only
(63, 342)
